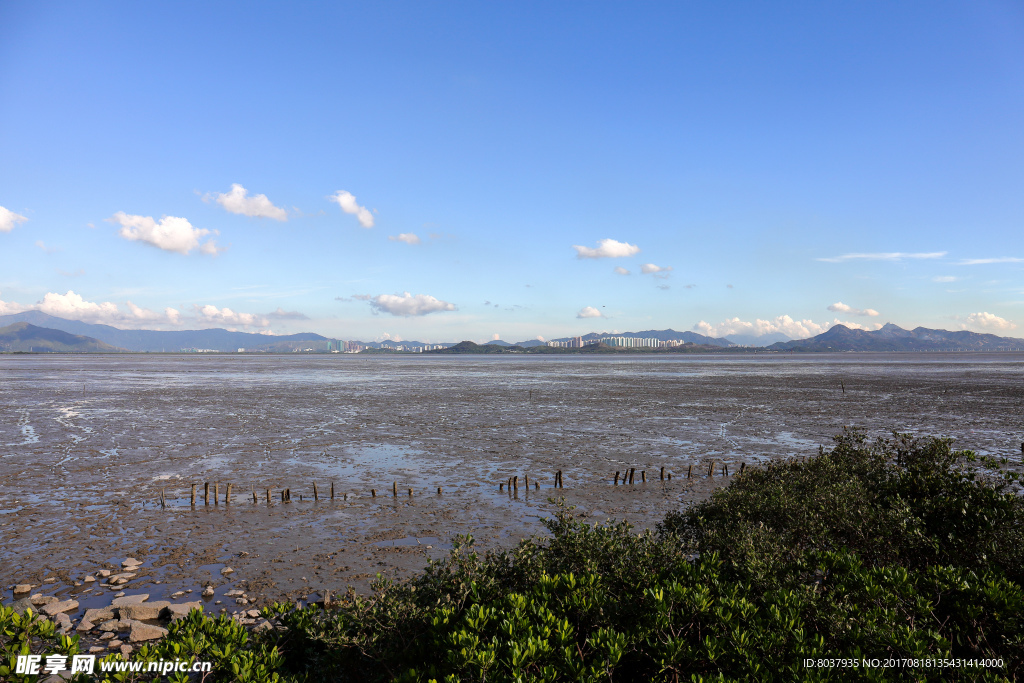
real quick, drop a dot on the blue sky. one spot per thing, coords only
(446, 171)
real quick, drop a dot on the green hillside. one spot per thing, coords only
(25, 337)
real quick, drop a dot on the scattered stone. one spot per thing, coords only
(253, 613)
(208, 592)
(107, 636)
(117, 595)
(177, 595)
(217, 602)
(175, 612)
(104, 573)
(263, 625)
(143, 610)
(227, 570)
(39, 599)
(59, 606)
(188, 590)
(96, 648)
(141, 632)
(23, 588)
(63, 621)
(114, 644)
(84, 625)
(241, 601)
(89, 579)
(126, 650)
(130, 562)
(246, 622)
(123, 600)
(78, 583)
(234, 593)
(101, 614)
(50, 579)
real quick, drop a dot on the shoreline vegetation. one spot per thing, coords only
(900, 550)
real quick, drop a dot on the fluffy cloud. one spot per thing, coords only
(794, 329)
(985, 261)
(945, 278)
(9, 307)
(225, 316)
(171, 233)
(49, 250)
(988, 321)
(885, 256)
(650, 268)
(257, 205)
(73, 306)
(9, 219)
(589, 312)
(621, 271)
(347, 202)
(407, 237)
(606, 249)
(840, 307)
(406, 305)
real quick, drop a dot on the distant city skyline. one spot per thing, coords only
(482, 171)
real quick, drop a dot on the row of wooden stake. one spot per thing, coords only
(512, 483)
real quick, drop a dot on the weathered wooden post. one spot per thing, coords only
(227, 495)
(268, 496)
(526, 480)
(206, 493)
(632, 473)
(689, 471)
(725, 469)
(288, 495)
(711, 468)
(192, 502)
(616, 477)
(643, 476)
(254, 500)
(670, 476)
(515, 483)
(439, 490)
(316, 496)
(332, 490)
(216, 492)
(663, 474)
(373, 493)
(501, 486)
(743, 466)
(410, 493)
(394, 488)
(163, 502)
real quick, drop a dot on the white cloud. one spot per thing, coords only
(73, 306)
(988, 321)
(589, 312)
(257, 205)
(885, 256)
(606, 249)
(347, 202)
(10, 307)
(495, 337)
(945, 278)
(794, 329)
(407, 237)
(985, 261)
(225, 316)
(9, 219)
(407, 304)
(840, 307)
(649, 268)
(621, 271)
(171, 233)
(49, 250)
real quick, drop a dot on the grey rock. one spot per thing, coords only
(175, 612)
(234, 593)
(253, 613)
(104, 573)
(59, 606)
(130, 562)
(89, 579)
(241, 601)
(142, 632)
(84, 625)
(126, 650)
(39, 599)
(208, 592)
(63, 621)
(101, 614)
(263, 625)
(143, 610)
(107, 636)
(114, 644)
(21, 605)
(115, 625)
(96, 648)
(130, 600)
(227, 570)
(23, 588)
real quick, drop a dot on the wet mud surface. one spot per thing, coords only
(88, 443)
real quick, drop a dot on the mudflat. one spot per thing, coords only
(90, 443)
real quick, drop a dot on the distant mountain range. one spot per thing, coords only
(894, 338)
(29, 338)
(36, 331)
